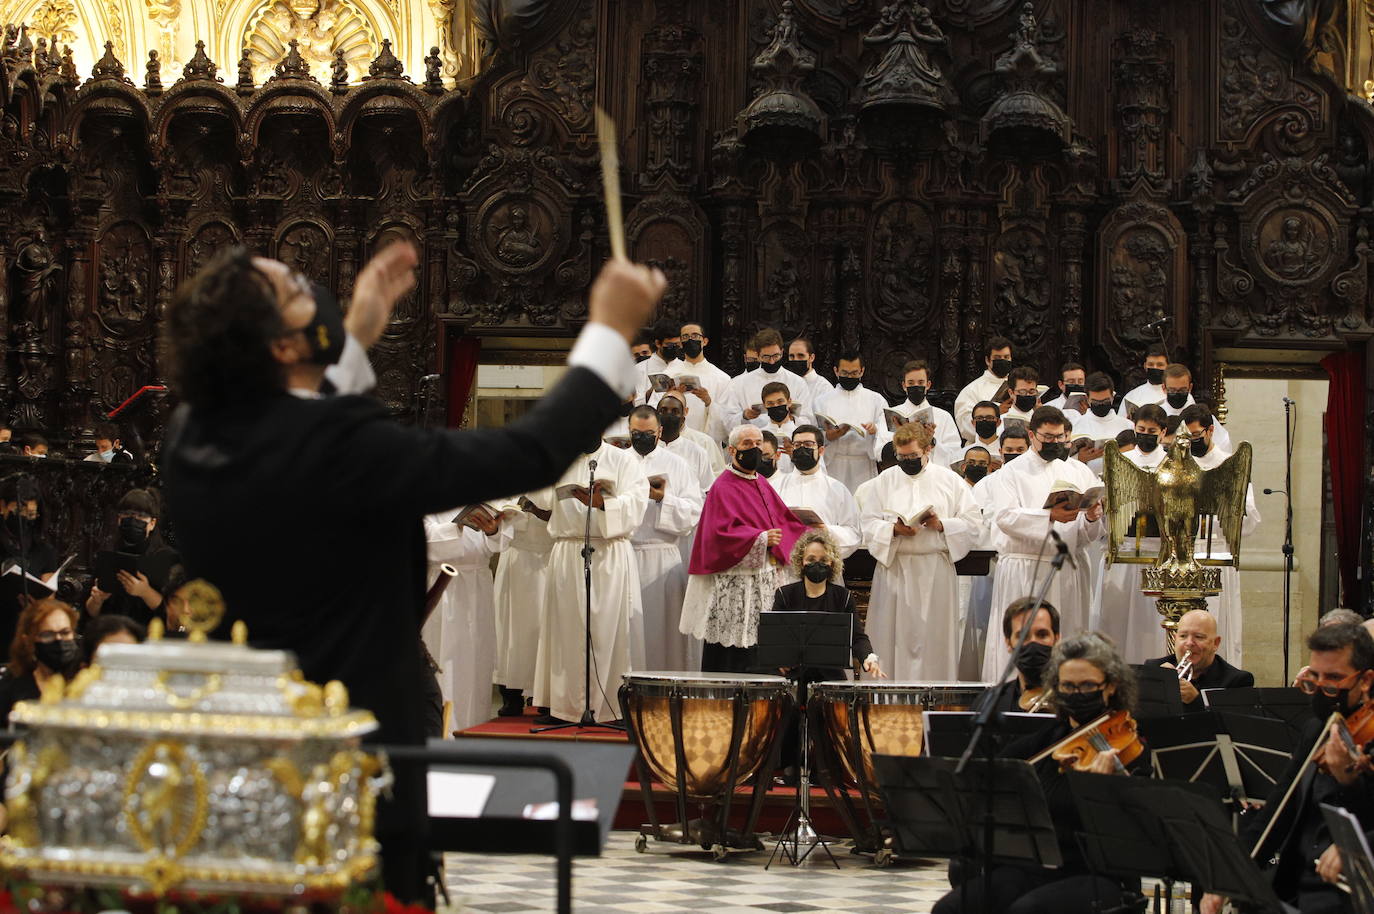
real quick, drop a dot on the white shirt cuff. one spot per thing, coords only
(353, 373)
(871, 658)
(606, 353)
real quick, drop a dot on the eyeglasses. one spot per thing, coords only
(1081, 688)
(694, 336)
(770, 359)
(1310, 685)
(1052, 438)
(65, 634)
(850, 374)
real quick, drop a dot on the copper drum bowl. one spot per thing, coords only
(860, 719)
(701, 708)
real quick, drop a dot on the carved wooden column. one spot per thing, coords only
(75, 342)
(953, 243)
(1073, 241)
(346, 248)
(732, 282)
(975, 298)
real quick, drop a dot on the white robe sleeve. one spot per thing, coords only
(877, 525)
(964, 527)
(680, 510)
(624, 511)
(450, 542)
(847, 529)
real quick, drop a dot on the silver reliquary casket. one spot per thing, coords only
(196, 766)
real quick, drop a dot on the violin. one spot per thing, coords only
(1356, 731)
(1032, 700)
(1115, 730)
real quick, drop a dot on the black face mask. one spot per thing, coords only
(916, 394)
(767, 468)
(1008, 458)
(325, 332)
(910, 465)
(751, 364)
(798, 367)
(1324, 705)
(778, 414)
(974, 472)
(1026, 402)
(1001, 367)
(804, 458)
(1052, 450)
(816, 572)
(1031, 661)
(1101, 408)
(133, 534)
(1177, 399)
(641, 358)
(1198, 446)
(59, 656)
(671, 353)
(672, 424)
(1083, 708)
(748, 459)
(850, 383)
(1155, 376)
(770, 367)
(1146, 443)
(643, 442)
(19, 526)
(692, 348)
(985, 428)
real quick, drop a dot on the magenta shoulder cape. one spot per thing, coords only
(737, 510)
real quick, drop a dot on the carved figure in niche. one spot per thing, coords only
(902, 261)
(1020, 270)
(906, 68)
(674, 302)
(35, 379)
(37, 269)
(338, 69)
(320, 29)
(122, 295)
(784, 292)
(517, 244)
(306, 248)
(1139, 287)
(1297, 253)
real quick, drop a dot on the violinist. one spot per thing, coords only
(1085, 679)
(1195, 653)
(1339, 677)
(1027, 693)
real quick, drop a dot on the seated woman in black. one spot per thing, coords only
(44, 645)
(139, 594)
(1086, 678)
(816, 560)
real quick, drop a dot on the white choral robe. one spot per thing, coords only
(662, 571)
(700, 417)
(913, 614)
(818, 385)
(715, 454)
(1140, 396)
(1020, 525)
(947, 442)
(829, 498)
(976, 391)
(461, 632)
(975, 591)
(746, 390)
(852, 458)
(615, 589)
(1226, 607)
(690, 453)
(1221, 438)
(1126, 614)
(519, 588)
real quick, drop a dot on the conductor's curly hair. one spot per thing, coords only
(218, 335)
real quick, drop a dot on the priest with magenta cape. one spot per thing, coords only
(745, 535)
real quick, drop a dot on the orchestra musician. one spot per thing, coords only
(1085, 680)
(1027, 693)
(1289, 834)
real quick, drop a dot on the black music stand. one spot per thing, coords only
(802, 641)
(1239, 756)
(946, 733)
(936, 811)
(1287, 704)
(1135, 827)
(1357, 866)
(1159, 696)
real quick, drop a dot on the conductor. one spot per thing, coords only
(305, 510)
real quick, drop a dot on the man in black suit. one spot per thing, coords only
(1197, 640)
(306, 512)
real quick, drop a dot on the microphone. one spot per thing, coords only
(591, 464)
(1274, 492)
(1155, 325)
(1062, 547)
(1289, 401)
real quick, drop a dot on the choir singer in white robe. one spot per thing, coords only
(1021, 526)
(809, 486)
(673, 512)
(858, 414)
(519, 588)
(913, 614)
(461, 632)
(615, 586)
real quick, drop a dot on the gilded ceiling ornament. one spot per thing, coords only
(56, 20)
(320, 28)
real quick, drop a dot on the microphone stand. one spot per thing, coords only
(987, 717)
(588, 718)
(1287, 527)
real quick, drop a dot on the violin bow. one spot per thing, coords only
(1041, 756)
(1317, 746)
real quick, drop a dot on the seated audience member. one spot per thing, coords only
(1197, 641)
(110, 629)
(139, 593)
(108, 447)
(22, 546)
(44, 646)
(816, 562)
(34, 446)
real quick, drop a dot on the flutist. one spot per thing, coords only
(1200, 667)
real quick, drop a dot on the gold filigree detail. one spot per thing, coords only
(212, 684)
(335, 698)
(355, 723)
(82, 680)
(320, 28)
(55, 20)
(204, 608)
(165, 802)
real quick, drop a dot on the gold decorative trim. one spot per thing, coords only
(213, 683)
(161, 802)
(356, 723)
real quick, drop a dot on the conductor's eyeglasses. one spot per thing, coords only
(1310, 685)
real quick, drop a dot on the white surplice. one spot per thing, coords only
(700, 417)
(913, 614)
(519, 588)
(461, 632)
(852, 458)
(948, 448)
(615, 589)
(690, 453)
(715, 454)
(1020, 527)
(746, 390)
(662, 571)
(829, 498)
(976, 391)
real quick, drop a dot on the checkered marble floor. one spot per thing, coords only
(622, 880)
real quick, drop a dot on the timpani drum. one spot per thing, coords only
(703, 735)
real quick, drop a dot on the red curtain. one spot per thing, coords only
(461, 367)
(1345, 429)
